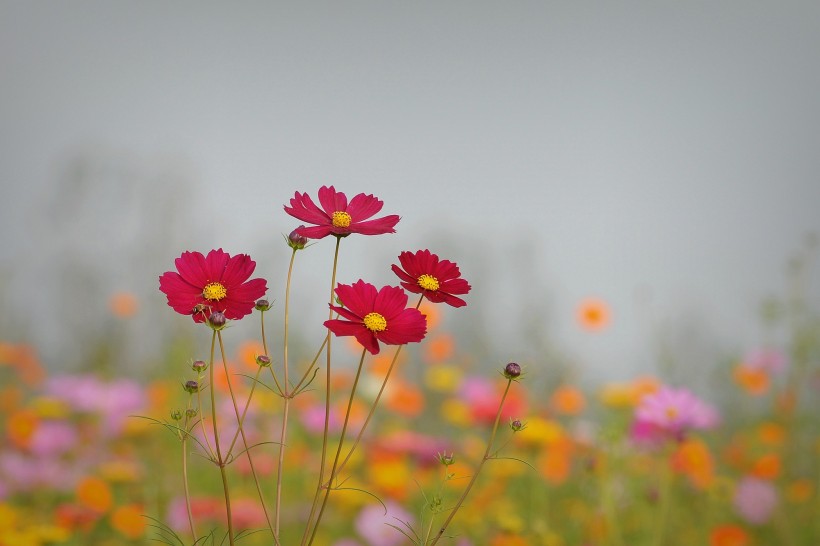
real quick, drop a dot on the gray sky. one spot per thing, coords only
(556, 149)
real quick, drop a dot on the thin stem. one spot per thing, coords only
(219, 460)
(242, 433)
(244, 411)
(484, 459)
(185, 478)
(665, 501)
(376, 401)
(327, 398)
(333, 469)
(286, 409)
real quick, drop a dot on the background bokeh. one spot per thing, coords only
(661, 157)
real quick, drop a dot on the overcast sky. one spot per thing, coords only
(663, 156)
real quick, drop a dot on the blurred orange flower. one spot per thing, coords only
(93, 493)
(433, 314)
(771, 434)
(754, 381)
(123, 305)
(23, 358)
(799, 491)
(20, 427)
(728, 535)
(593, 314)
(694, 460)
(767, 467)
(568, 400)
(405, 398)
(439, 348)
(555, 462)
(129, 521)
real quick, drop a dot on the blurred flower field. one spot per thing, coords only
(97, 458)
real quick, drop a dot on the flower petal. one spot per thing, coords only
(363, 206)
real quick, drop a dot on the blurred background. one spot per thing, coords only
(659, 159)
(631, 188)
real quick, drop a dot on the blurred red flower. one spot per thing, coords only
(216, 282)
(337, 216)
(438, 280)
(374, 316)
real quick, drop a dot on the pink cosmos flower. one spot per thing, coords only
(438, 280)
(755, 500)
(216, 282)
(374, 525)
(373, 316)
(337, 216)
(670, 413)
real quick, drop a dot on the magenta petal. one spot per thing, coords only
(315, 232)
(377, 226)
(238, 269)
(192, 268)
(331, 200)
(303, 208)
(358, 297)
(390, 301)
(347, 314)
(215, 263)
(363, 206)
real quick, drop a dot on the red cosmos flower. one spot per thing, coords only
(217, 282)
(439, 281)
(337, 216)
(376, 316)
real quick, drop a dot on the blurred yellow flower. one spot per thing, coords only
(129, 521)
(456, 412)
(443, 378)
(48, 407)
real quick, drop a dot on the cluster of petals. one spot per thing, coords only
(671, 413)
(374, 316)
(202, 285)
(337, 216)
(438, 280)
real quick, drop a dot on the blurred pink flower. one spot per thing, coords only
(313, 419)
(113, 401)
(755, 500)
(53, 438)
(670, 414)
(25, 472)
(766, 359)
(347, 542)
(419, 446)
(373, 524)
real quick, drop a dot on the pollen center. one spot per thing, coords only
(341, 219)
(375, 322)
(671, 412)
(428, 282)
(214, 291)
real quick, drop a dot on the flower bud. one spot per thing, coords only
(296, 241)
(445, 459)
(262, 305)
(191, 386)
(512, 370)
(176, 415)
(190, 413)
(263, 361)
(199, 366)
(217, 320)
(517, 426)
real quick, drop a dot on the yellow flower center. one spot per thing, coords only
(671, 412)
(341, 219)
(375, 322)
(428, 282)
(214, 291)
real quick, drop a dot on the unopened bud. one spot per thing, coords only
(263, 361)
(176, 415)
(512, 370)
(445, 459)
(517, 426)
(262, 305)
(217, 320)
(191, 386)
(296, 241)
(190, 413)
(199, 366)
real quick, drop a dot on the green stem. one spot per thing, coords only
(333, 469)
(665, 493)
(376, 401)
(185, 478)
(242, 433)
(484, 459)
(327, 399)
(219, 460)
(286, 409)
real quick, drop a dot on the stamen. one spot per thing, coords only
(428, 282)
(341, 219)
(375, 322)
(214, 291)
